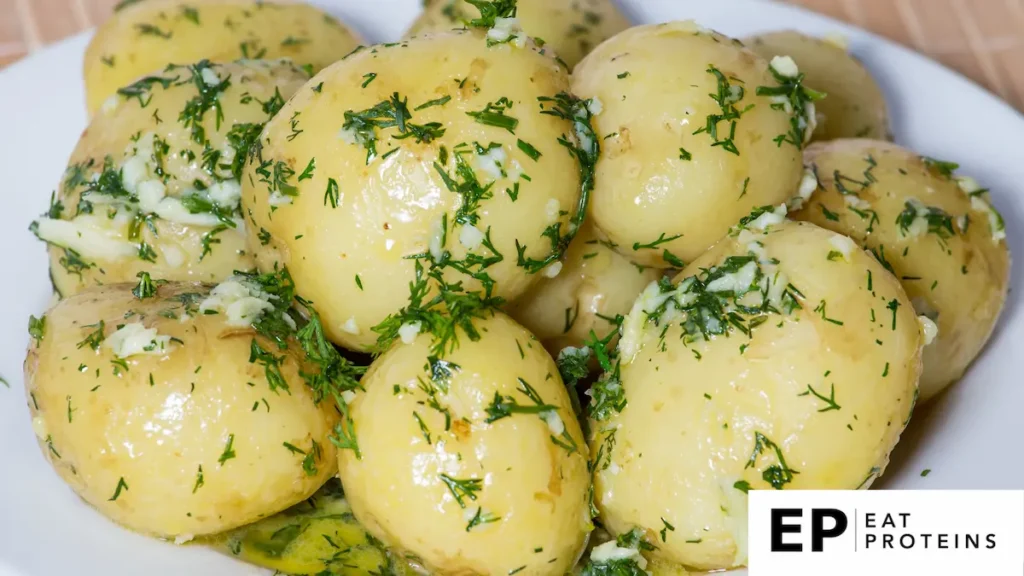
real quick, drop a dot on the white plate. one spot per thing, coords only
(962, 437)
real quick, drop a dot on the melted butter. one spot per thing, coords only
(319, 536)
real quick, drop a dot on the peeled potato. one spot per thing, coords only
(457, 465)
(472, 183)
(660, 184)
(783, 359)
(937, 232)
(153, 184)
(572, 28)
(595, 285)
(155, 413)
(144, 37)
(855, 106)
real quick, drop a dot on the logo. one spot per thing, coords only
(818, 530)
(882, 533)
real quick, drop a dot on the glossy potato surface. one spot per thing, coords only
(595, 281)
(815, 398)
(952, 258)
(347, 222)
(572, 28)
(186, 440)
(155, 134)
(144, 37)
(855, 106)
(435, 479)
(663, 181)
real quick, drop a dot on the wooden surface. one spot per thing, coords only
(983, 39)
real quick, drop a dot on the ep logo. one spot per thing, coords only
(821, 524)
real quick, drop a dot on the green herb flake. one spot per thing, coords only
(121, 486)
(229, 450)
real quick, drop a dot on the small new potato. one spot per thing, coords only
(572, 28)
(146, 36)
(475, 463)
(855, 106)
(687, 146)
(595, 282)
(433, 152)
(153, 184)
(936, 231)
(803, 379)
(154, 413)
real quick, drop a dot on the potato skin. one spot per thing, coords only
(97, 427)
(537, 488)
(654, 84)
(353, 260)
(960, 281)
(572, 28)
(146, 37)
(855, 106)
(116, 132)
(595, 281)
(714, 397)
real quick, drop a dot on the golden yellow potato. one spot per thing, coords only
(435, 148)
(147, 36)
(596, 281)
(153, 183)
(855, 106)
(688, 147)
(785, 359)
(572, 28)
(937, 232)
(155, 413)
(474, 463)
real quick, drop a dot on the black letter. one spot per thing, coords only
(869, 520)
(818, 532)
(869, 539)
(991, 539)
(779, 528)
(973, 541)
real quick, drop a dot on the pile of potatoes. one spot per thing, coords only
(545, 291)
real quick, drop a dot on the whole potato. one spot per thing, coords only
(161, 415)
(153, 184)
(783, 359)
(688, 145)
(937, 232)
(855, 106)
(473, 463)
(148, 35)
(439, 150)
(572, 28)
(595, 285)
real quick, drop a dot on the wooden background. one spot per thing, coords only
(983, 39)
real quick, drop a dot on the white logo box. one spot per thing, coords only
(888, 533)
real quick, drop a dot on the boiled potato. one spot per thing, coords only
(153, 184)
(148, 35)
(855, 106)
(432, 152)
(595, 282)
(473, 463)
(572, 28)
(664, 182)
(155, 413)
(783, 359)
(937, 232)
